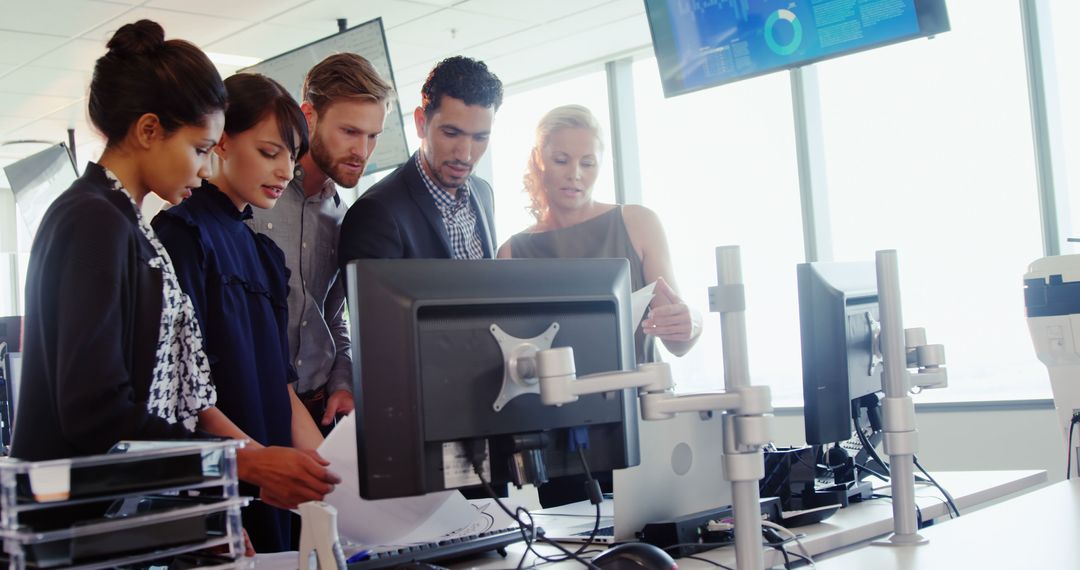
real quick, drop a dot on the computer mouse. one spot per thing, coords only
(635, 556)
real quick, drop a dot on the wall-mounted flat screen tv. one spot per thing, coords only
(703, 43)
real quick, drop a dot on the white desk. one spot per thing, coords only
(1035, 530)
(851, 526)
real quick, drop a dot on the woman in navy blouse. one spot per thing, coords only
(237, 281)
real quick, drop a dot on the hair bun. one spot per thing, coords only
(138, 38)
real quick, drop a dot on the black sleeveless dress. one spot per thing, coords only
(604, 236)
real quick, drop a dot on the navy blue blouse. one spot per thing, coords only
(238, 282)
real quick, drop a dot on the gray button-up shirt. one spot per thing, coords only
(307, 230)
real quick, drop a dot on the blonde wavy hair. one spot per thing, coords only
(566, 116)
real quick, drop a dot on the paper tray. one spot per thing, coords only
(88, 532)
(130, 467)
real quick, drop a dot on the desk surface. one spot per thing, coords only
(1035, 530)
(858, 523)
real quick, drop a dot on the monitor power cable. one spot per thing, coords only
(866, 444)
(781, 542)
(1068, 457)
(530, 533)
(948, 498)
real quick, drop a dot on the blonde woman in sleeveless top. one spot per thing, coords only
(562, 169)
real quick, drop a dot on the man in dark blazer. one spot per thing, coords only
(432, 206)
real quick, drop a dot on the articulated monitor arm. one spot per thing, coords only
(749, 405)
(748, 409)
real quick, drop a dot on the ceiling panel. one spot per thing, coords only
(32, 106)
(591, 33)
(43, 130)
(440, 3)
(323, 14)
(40, 16)
(623, 36)
(8, 124)
(34, 79)
(197, 28)
(533, 12)
(404, 55)
(453, 30)
(247, 10)
(18, 47)
(77, 54)
(76, 115)
(264, 41)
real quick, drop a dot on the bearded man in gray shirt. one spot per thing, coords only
(345, 102)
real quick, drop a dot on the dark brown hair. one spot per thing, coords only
(143, 73)
(252, 97)
(462, 78)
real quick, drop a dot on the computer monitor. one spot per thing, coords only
(428, 371)
(838, 317)
(36, 181)
(367, 39)
(703, 43)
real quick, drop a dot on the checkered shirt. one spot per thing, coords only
(458, 216)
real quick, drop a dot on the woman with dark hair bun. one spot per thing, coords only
(113, 348)
(239, 285)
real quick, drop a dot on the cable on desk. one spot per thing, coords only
(804, 559)
(866, 444)
(529, 531)
(873, 472)
(779, 543)
(783, 551)
(1068, 457)
(918, 509)
(948, 497)
(802, 547)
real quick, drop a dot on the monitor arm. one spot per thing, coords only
(560, 385)
(747, 418)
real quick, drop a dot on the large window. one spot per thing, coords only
(1067, 45)
(929, 151)
(718, 167)
(514, 134)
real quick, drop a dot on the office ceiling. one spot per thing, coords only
(48, 47)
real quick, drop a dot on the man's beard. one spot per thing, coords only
(327, 164)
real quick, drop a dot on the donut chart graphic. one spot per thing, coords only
(770, 38)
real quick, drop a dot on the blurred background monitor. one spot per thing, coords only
(427, 369)
(367, 40)
(36, 181)
(10, 369)
(838, 316)
(703, 43)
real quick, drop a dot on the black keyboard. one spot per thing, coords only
(443, 550)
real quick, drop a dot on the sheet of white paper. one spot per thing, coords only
(640, 300)
(387, 521)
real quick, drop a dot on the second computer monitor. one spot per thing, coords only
(428, 370)
(838, 315)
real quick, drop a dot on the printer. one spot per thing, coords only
(1052, 301)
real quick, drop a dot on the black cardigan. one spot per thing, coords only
(93, 311)
(397, 218)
